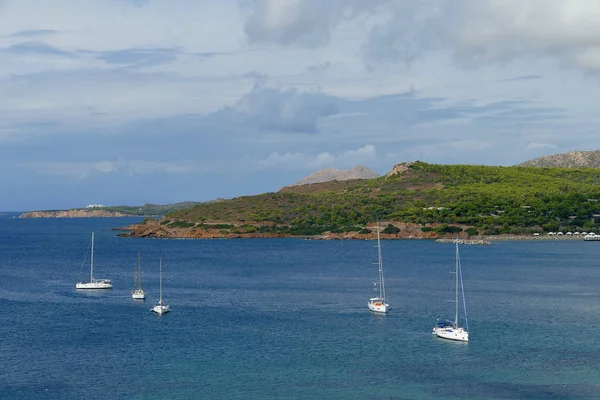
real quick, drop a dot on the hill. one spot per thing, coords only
(153, 209)
(330, 174)
(572, 159)
(427, 199)
(111, 211)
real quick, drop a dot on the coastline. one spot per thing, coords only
(156, 228)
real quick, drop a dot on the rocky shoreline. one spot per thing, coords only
(158, 228)
(155, 228)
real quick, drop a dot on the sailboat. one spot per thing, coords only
(160, 308)
(450, 329)
(94, 283)
(378, 304)
(138, 293)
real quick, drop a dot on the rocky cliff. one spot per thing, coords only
(78, 213)
(572, 159)
(400, 168)
(157, 228)
(330, 174)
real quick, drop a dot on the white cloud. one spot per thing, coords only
(287, 110)
(303, 161)
(476, 31)
(537, 145)
(82, 170)
(483, 31)
(104, 25)
(300, 22)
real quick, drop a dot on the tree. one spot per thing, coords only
(391, 229)
(551, 227)
(472, 231)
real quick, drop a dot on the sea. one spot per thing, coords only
(288, 318)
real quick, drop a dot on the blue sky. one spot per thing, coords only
(160, 101)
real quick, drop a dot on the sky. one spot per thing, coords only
(126, 102)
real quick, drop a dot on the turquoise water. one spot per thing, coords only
(287, 318)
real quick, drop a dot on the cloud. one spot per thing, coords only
(303, 161)
(33, 33)
(300, 22)
(474, 31)
(522, 78)
(82, 170)
(320, 67)
(139, 57)
(489, 31)
(535, 146)
(408, 29)
(288, 110)
(36, 48)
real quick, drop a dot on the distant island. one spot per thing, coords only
(74, 213)
(414, 200)
(100, 211)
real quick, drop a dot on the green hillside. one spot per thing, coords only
(493, 200)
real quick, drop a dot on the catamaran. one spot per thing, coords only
(378, 304)
(94, 283)
(450, 329)
(160, 308)
(138, 293)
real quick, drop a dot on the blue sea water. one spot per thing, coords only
(287, 318)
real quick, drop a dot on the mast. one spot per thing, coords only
(456, 315)
(139, 273)
(92, 261)
(160, 281)
(462, 289)
(381, 283)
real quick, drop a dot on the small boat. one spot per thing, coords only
(450, 329)
(378, 304)
(160, 308)
(94, 283)
(138, 293)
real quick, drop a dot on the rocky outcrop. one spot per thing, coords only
(158, 228)
(572, 159)
(78, 213)
(155, 228)
(330, 174)
(400, 168)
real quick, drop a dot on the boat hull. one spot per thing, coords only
(138, 295)
(378, 305)
(591, 238)
(160, 309)
(457, 334)
(105, 284)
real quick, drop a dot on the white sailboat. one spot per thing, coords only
(378, 304)
(160, 308)
(138, 293)
(450, 329)
(94, 283)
